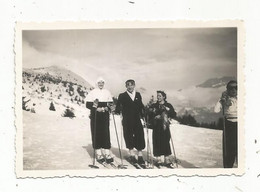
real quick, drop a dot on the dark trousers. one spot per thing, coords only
(229, 144)
(161, 139)
(100, 130)
(134, 134)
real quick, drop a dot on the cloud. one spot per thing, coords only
(168, 59)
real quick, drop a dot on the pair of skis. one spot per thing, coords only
(136, 165)
(104, 164)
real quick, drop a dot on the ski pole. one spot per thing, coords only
(175, 158)
(148, 144)
(151, 156)
(224, 136)
(121, 130)
(122, 166)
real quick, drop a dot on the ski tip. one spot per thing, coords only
(93, 166)
(122, 166)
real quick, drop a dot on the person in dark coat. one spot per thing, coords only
(131, 106)
(97, 101)
(160, 114)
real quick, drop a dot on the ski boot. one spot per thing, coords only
(158, 164)
(132, 159)
(100, 159)
(109, 159)
(168, 163)
(141, 162)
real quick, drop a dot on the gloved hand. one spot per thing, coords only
(223, 98)
(112, 108)
(167, 108)
(100, 109)
(95, 103)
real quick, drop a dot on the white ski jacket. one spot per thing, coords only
(230, 108)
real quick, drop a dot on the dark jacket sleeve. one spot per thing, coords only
(142, 110)
(119, 104)
(171, 112)
(89, 105)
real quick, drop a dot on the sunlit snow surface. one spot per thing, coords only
(52, 142)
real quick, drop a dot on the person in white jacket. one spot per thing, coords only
(98, 101)
(227, 104)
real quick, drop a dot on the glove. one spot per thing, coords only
(95, 103)
(167, 108)
(112, 108)
(223, 98)
(100, 109)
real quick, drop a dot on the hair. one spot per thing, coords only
(130, 81)
(163, 94)
(230, 82)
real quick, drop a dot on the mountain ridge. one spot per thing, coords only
(216, 82)
(60, 72)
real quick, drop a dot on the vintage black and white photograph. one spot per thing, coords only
(138, 100)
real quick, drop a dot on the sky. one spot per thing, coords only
(158, 59)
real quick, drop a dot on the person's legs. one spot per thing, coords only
(165, 142)
(230, 144)
(129, 140)
(138, 134)
(105, 135)
(128, 135)
(156, 141)
(97, 130)
(233, 143)
(139, 141)
(236, 143)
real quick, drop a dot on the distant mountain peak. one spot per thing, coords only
(216, 82)
(141, 89)
(60, 72)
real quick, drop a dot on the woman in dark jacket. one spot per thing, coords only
(160, 113)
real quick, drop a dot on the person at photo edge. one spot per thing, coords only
(160, 114)
(228, 105)
(131, 106)
(97, 101)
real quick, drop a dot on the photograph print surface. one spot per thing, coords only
(150, 100)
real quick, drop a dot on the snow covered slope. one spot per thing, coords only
(52, 142)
